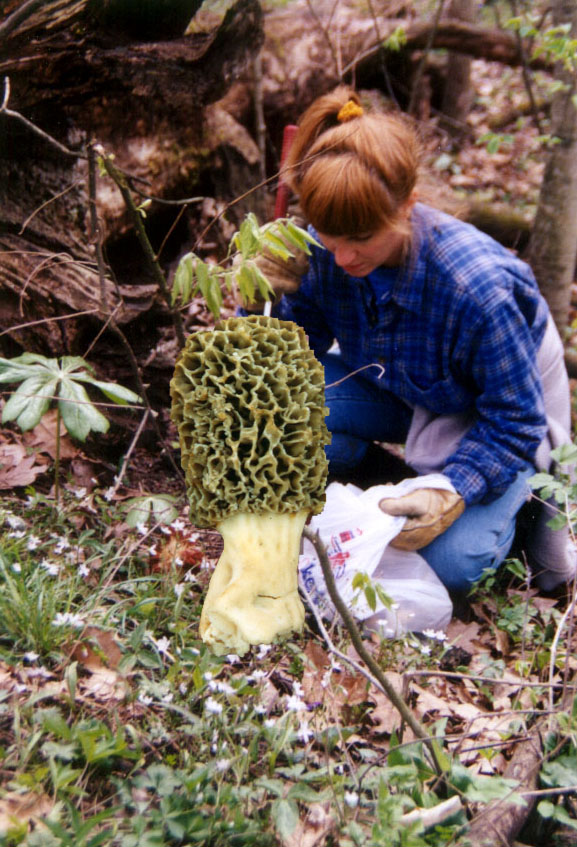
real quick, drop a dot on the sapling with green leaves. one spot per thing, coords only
(281, 240)
(44, 381)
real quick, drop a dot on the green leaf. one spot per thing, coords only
(209, 286)
(183, 279)
(117, 393)
(560, 773)
(565, 455)
(29, 402)
(286, 817)
(79, 415)
(160, 507)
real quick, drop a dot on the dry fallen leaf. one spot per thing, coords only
(97, 649)
(16, 809)
(104, 684)
(43, 437)
(16, 468)
(313, 829)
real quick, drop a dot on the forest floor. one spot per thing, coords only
(117, 723)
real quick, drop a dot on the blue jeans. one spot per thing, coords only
(360, 413)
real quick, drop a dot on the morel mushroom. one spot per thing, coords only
(248, 401)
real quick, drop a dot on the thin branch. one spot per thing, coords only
(118, 479)
(120, 180)
(97, 238)
(50, 200)
(4, 110)
(390, 691)
(422, 63)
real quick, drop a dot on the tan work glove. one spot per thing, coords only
(429, 511)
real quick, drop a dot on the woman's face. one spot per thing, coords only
(362, 254)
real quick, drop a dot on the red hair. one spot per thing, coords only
(352, 177)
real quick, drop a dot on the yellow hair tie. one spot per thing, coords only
(349, 111)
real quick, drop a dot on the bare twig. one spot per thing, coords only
(384, 683)
(425, 56)
(120, 180)
(97, 238)
(32, 127)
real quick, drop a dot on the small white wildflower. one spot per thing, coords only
(79, 493)
(222, 765)
(141, 528)
(294, 703)
(61, 545)
(178, 525)
(83, 570)
(15, 522)
(20, 687)
(109, 494)
(50, 567)
(68, 619)
(304, 732)
(31, 656)
(165, 530)
(233, 659)
(256, 676)
(298, 690)
(221, 687)
(145, 699)
(33, 542)
(179, 589)
(425, 649)
(207, 676)
(183, 688)
(212, 706)
(168, 698)
(16, 567)
(269, 723)
(260, 709)
(263, 649)
(189, 577)
(178, 562)
(162, 645)
(351, 799)
(17, 534)
(205, 564)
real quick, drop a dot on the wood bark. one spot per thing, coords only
(553, 246)
(499, 823)
(458, 92)
(125, 74)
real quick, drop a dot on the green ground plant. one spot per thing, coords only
(115, 714)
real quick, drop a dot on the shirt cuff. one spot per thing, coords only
(468, 482)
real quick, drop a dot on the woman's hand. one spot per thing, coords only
(429, 511)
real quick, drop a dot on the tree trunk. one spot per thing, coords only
(458, 93)
(124, 73)
(553, 245)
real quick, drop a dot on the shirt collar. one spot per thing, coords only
(405, 284)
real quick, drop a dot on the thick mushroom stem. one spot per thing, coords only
(253, 593)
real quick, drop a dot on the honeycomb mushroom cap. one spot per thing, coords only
(248, 402)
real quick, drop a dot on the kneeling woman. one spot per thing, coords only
(447, 343)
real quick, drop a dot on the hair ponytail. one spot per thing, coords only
(354, 171)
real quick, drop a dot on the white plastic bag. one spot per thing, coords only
(356, 534)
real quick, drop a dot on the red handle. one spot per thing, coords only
(283, 191)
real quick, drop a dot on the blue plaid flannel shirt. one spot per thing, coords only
(457, 328)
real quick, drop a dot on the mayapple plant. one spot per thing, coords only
(43, 381)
